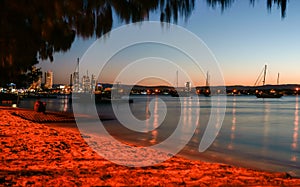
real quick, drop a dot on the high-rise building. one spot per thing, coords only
(86, 83)
(75, 79)
(48, 79)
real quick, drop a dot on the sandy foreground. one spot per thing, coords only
(34, 154)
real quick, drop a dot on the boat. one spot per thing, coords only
(174, 93)
(266, 93)
(9, 98)
(41, 95)
(97, 98)
(183, 92)
(271, 94)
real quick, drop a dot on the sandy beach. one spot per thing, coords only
(36, 154)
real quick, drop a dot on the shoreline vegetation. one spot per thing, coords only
(49, 155)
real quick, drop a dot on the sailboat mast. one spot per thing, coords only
(207, 76)
(177, 79)
(265, 73)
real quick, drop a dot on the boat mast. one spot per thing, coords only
(207, 76)
(265, 73)
(177, 79)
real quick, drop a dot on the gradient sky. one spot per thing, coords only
(243, 39)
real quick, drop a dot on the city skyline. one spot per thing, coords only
(243, 39)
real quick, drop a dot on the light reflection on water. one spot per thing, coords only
(232, 135)
(264, 131)
(155, 122)
(294, 145)
(266, 126)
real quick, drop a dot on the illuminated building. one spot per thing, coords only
(48, 79)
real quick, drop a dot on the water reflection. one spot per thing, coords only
(181, 115)
(147, 114)
(187, 112)
(155, 122)
(294, 145)
(266, 127)
(233, 126)
(64, 104)
(190, 115)
(190, 104)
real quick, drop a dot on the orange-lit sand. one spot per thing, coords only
(36, 154)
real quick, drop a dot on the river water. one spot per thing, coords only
(256, 133)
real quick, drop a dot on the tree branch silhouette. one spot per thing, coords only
(35, 31)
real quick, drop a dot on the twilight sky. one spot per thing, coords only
(242, 38)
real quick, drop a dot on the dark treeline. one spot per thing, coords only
(34, 30)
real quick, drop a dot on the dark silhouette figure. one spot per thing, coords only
(40, 106)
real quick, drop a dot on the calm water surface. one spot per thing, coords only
(256, 133)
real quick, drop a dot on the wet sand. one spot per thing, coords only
(37, 154)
